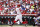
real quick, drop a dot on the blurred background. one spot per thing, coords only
(29, 7)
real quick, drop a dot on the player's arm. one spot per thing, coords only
(20, 10)
(15, 11)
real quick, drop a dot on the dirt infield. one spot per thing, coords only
(18, 26)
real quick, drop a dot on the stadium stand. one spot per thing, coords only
(28, 7)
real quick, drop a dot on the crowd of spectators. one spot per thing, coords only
(28, 6)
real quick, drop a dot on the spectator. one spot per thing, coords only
(25, 22)
(27, 5)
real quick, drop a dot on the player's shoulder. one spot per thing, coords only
(17, 8)
(38, 17)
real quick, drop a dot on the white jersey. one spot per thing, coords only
(11, 13)
(19, 15)
(18, 11)
(37, 19)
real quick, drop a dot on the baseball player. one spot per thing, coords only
(19, 15)
(37, 21)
